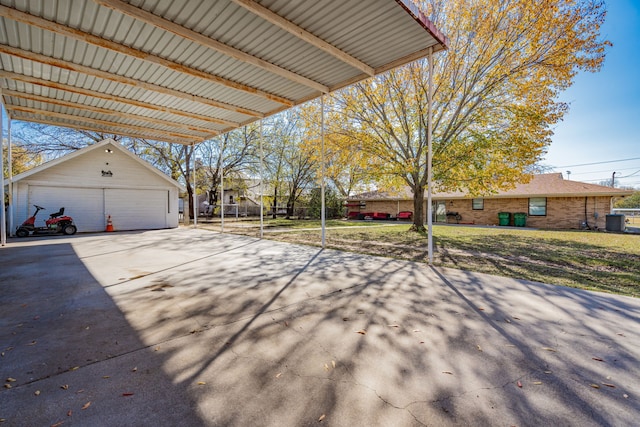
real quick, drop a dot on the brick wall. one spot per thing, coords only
(562, 212)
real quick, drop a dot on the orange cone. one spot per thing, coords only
(109, 224)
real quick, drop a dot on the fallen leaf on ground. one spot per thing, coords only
(134, 369)
(321, 417)
(361, 332)
(32, 343)
(7, 385)
(201, 383)
(537, 382)
(74, 368)
(156, 349)
(279, 374)
(479, 348)
(326, 367)
(597, 359)
(622, 335)
(59, 423)
(127, 394)
(447, 372)
(65, 387)
(517, 318)
(417, 330)
(286, 323)
(394, 326)
(37, 392)
(519, 384)
(333, 363)
(86, 405)
(481, 308)
(595, 386)
(69, 413)
(626, 396)
(547, 372)
(507, 320)
(609, 385)
(80, 391)
(11, 380)
(549, 349)
(105, 377)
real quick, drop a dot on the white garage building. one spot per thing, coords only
(97, 181)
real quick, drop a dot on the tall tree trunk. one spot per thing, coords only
(275, 202)
(418, 208)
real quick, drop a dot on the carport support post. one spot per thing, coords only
(195, 196)
(429, 157)
(221, 192)
(261, 184)
(3, 224)
(322, 203)
(10, 175)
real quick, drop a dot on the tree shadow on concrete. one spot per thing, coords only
(289, 334)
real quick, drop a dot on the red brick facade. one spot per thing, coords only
(562, 212)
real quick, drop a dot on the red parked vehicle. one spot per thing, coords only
(57, 223)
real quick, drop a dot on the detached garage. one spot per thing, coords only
(97, 181)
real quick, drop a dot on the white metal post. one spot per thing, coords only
(221, 191)
(195, 195)
(429, 158)
(322, 203)
(10, 175)
(261, 185)
(3, 218)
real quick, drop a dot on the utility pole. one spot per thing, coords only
(613, 180)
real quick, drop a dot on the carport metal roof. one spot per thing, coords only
(187, 70)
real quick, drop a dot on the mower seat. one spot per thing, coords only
(57, 214)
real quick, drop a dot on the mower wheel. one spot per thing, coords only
(22, 232)
(69, 229)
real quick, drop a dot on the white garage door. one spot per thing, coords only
(136, 209)
(84, 205)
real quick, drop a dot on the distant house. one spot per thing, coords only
(100, 180)
(548, 200)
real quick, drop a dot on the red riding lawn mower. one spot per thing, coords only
(57, 223)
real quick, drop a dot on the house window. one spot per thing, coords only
(231, 200)
(538, 206)
(477, 204)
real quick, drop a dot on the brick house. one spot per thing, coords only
(548, 200)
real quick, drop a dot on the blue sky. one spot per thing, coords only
(603, 123)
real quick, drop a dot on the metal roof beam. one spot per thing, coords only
(76, 34)
(99, 129)
(303, 34)
(172, 27)
(83, 69)
(109, 125)
(108, 97)
(39, 98)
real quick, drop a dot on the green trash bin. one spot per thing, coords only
(520, 219)
(503, 218)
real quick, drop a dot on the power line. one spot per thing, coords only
(597, 163)
(602, 171)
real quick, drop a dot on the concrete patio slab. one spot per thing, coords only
(192, 327)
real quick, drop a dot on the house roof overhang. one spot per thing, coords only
(185, 70)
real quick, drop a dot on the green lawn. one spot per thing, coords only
(587, 260)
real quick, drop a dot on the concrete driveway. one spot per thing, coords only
(192, 327)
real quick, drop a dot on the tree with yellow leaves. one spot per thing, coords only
(495, 95)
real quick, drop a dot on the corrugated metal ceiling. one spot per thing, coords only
(187, 70)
